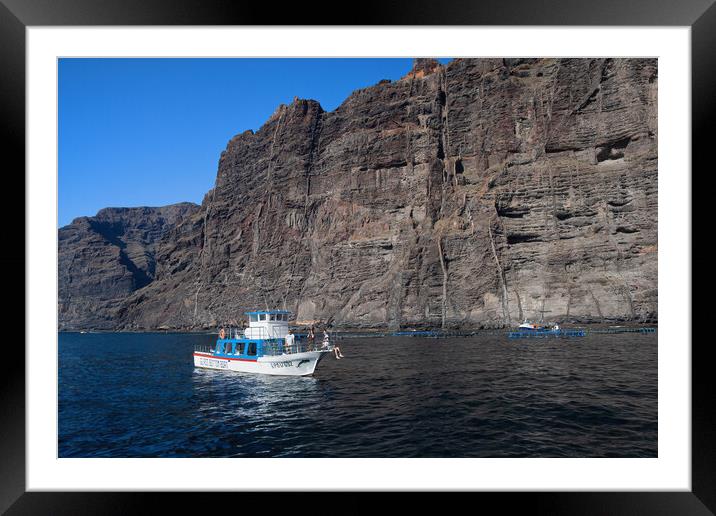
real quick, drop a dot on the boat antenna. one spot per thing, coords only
(542, 312)
(542, 316)
(260, 284)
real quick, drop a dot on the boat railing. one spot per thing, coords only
(233, 333)
(256, 333)
(279, 347)
(273, 345)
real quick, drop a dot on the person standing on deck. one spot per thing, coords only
(288, 339)
(311, 338)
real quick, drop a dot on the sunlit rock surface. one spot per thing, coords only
(469, 195)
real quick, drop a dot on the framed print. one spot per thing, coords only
(419, 253)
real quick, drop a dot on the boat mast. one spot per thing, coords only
(542, 312)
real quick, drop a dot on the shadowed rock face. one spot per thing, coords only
(103, 259)
(461, 196)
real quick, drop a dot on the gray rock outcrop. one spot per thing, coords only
(103, 259)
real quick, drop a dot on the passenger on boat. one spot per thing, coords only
(311, 338)
(289, 339)
(336, 349)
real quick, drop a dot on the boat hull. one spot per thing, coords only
(294, 364)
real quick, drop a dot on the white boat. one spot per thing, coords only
(529, 326)
(264, 347)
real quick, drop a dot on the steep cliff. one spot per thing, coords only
(473, 194)
(103, 259)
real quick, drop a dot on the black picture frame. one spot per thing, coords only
(16, 15)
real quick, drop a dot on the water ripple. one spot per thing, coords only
(138, 395)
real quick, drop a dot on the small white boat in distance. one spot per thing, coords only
(529, 326)
(265, 347)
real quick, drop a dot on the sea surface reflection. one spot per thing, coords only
(138, 395)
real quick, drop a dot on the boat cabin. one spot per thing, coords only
(264, 336)
(269, 324)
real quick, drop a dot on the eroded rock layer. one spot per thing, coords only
(473, 194)
(103, 259)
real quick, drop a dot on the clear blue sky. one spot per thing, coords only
(149, 132)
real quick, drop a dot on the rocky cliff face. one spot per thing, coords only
(105, 258)
(467, 195)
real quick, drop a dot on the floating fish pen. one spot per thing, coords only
(360, 335)
(624, 330)
(415, 334)
(537, 334)
(432, 334)
(435, 334)
(516, 334)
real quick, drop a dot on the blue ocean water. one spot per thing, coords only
(139, 395)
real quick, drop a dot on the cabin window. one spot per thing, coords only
(252, 349)
(254, 317)
(240, 348)
(262, 317)
(283, 317)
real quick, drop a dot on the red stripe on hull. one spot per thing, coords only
(206, 355)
